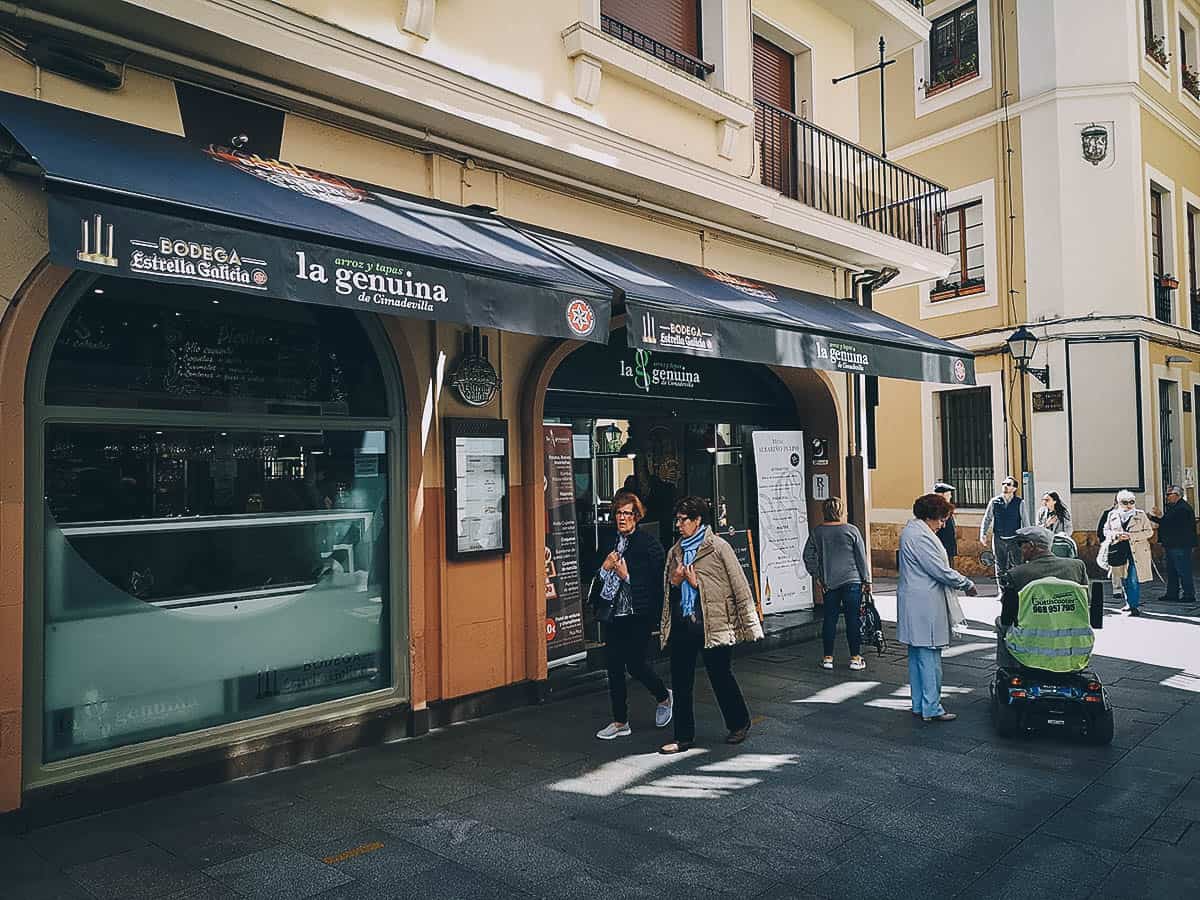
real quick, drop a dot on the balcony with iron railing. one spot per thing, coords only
(822, 170)
(1164, 286)
(1194, 321)
(685, 62)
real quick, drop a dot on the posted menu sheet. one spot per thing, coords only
(481, 488)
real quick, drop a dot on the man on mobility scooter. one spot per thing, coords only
(1044, 644)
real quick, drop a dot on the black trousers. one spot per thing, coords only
(718, 662)
(625, 639)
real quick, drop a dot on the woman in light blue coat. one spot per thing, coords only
(924, 601)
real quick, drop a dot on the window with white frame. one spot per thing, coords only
(1189, 56)
(1190, 216)
(1163, 280)
(1154, 31)
(968, 461)
(953, 48)
(962, 235)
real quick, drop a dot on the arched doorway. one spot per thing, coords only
(214, 483)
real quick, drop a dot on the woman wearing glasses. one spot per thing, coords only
(1126, 549)
(709, 608)
(626, 597)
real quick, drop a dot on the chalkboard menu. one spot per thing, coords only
(742, 543)
(135, 345)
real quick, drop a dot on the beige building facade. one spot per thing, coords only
(559, 116)
(1068, 136)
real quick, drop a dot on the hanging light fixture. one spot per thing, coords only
(1021, 345)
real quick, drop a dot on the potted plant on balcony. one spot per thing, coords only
(1156, 49)
(1168, 282)
(1191, 81)
(963, 70)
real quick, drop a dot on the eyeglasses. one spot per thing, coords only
(681, 519)
(1128, 502)
(1009, 484)
(625, 514)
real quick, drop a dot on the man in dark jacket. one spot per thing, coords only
(1177, 534)
(1006, 512)
(948, 533)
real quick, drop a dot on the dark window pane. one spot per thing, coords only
(137, 344)
(967, 444)
(195, 577)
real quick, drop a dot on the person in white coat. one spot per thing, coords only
(1129, 526)
(927, 606)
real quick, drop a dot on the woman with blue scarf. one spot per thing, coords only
(709, 608)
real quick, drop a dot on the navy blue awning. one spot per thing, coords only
(680, 308)
(131, 201)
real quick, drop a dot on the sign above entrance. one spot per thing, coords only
(118, 240)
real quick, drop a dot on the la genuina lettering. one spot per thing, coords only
(376, 282)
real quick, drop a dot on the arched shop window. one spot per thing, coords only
(215, 469)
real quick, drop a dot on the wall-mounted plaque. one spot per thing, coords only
(1047, 401)
(476, 486)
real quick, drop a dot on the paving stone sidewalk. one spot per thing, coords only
(839, 792)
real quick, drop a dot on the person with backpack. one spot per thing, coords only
(836, 556)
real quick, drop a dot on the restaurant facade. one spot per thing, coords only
(301, 455)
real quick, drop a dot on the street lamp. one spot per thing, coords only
(1021, 344)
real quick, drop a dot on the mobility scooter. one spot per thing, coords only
(1068, 695)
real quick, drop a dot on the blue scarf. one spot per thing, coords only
(612, 581)
(688, 595)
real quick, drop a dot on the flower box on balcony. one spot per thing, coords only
(1156, 49)
(944, 291)
(1191, 81)
(943, 81)
(1168, 282)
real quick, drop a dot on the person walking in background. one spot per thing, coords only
(627, 598)
(1126, 550)
(926, 605)
(1117, 589)
(834, 553)
(948, 533)
(1006, 512)
(709, 608)
(1053, 515)
(1177, 534)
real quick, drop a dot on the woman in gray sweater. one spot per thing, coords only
(834, 554)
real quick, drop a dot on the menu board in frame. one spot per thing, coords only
(476, 487)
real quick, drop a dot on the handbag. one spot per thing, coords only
(870, 624)
(1119, 554)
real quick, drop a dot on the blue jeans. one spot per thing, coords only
(925, 678)
(1133, 588)
(843, 601)
(1179, 574)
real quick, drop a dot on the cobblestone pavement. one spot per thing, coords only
(839, 792)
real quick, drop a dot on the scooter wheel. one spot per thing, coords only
(1100, 728)
(1005, 717)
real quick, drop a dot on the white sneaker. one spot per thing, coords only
(612, 730)
(857, 663)
(827, 662)
(664, 712)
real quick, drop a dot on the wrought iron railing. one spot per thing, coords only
(1162, 303)
(670, 55)
(829, 173)
(919, 4)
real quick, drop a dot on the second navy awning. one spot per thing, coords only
(130, 201)
(675, 307)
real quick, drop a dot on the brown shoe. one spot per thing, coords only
(736, 737)
(944, 717)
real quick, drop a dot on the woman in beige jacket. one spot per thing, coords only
(708, 608)
(1129, 525)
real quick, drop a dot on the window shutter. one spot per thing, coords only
(675, 23)
(774, 75)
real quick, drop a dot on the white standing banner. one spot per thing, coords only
(785, 584)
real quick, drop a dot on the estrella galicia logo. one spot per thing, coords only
(581, 318)
(960, 371)
(649, 329)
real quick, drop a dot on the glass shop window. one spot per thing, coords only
(207, 572)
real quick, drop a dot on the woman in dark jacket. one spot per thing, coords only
(628, 598)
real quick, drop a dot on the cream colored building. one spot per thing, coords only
(632, 124)
(1068, 133)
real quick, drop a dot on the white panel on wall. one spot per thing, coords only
(1104, 415)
